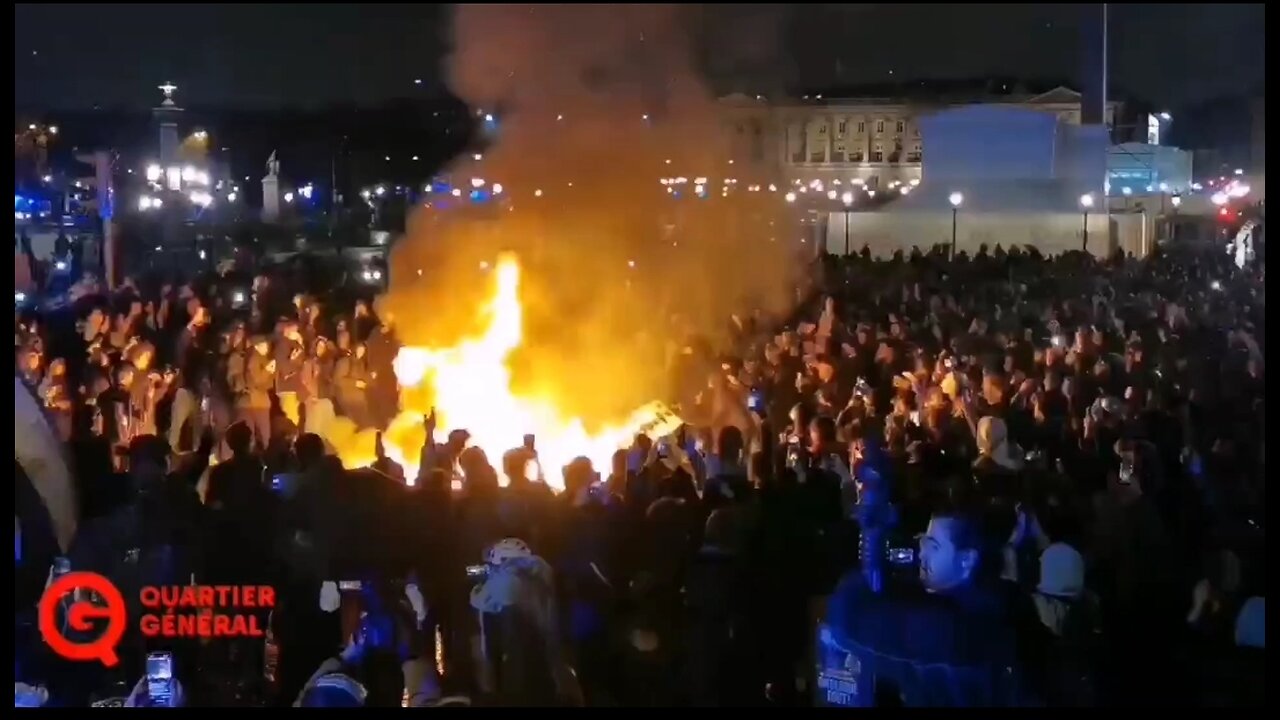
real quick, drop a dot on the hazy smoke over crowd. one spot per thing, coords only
(593, 105)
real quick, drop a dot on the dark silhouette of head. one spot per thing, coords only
(310, 450)
(240, 439)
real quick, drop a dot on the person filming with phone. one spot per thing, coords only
(937, 640)
(382, 664)
(158, 688)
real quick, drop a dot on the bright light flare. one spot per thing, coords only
(469, 385)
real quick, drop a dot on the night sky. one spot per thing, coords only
(78, 56)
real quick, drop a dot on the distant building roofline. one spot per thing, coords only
(925, 93)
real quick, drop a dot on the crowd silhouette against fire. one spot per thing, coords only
(1001, 479)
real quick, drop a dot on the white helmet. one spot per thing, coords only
(505, 550)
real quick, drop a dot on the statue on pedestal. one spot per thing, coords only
(271, 190)
(168, 89)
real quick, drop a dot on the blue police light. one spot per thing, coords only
(479, 195)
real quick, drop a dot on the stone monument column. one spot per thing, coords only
(271, 190)
(166, 117)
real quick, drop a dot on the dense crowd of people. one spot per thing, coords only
(998, 479)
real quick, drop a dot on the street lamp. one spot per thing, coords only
(956, 199)
(847, 199)
(1086, 202)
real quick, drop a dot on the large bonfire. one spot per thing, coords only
(469, 387)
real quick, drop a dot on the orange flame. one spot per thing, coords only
(469, 385)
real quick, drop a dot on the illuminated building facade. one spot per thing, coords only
(875, 142)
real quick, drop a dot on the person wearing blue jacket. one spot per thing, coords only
(941, 641)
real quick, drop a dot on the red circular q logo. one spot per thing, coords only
(79, 614)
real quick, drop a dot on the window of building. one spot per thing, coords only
(914, 155)
(841, 127)
(798, 151)
(901, 126)
(877, 156)
(855, 156)
(879, 126)
(862, 127)
(818, 143)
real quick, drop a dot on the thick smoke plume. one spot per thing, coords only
(593, 106)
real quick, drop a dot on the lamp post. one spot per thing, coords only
(847, 199)
(1086, 202)
(955, 199)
